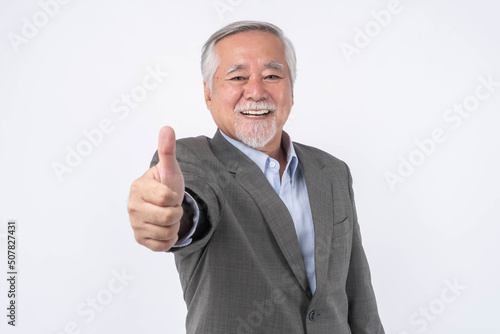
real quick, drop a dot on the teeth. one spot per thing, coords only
(255, 112)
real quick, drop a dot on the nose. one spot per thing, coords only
(255, 90)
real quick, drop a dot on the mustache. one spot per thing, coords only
(256, 105)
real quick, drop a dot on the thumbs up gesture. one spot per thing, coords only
(169, 172)
(155, 199)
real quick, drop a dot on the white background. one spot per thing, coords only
(438, 225)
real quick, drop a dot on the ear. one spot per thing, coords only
(208, 97)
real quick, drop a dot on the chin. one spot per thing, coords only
(256, 134)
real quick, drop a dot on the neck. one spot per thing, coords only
(274, 148)
(277, 151)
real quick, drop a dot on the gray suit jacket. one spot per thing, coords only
(244, 272)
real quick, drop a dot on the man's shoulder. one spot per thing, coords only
(195, 150)
(311, 152)
(200, 143)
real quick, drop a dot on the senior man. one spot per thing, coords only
(264, 230)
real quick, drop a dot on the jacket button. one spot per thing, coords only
(313, 316)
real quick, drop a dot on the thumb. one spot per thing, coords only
(168, 168)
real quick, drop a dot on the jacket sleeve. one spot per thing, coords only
(363, 313)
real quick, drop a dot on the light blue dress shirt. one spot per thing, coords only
(292, 190)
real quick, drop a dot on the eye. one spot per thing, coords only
(239, 78)
(273, 77)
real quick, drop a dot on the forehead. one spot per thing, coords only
(250, 45)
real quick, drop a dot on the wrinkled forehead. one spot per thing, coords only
(251, 44)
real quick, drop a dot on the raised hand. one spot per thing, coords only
(155, 198)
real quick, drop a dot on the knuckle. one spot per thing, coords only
(171, 242)
(175, 230)
(156, 247)
(168, 217)
(139, 238)
(163, 194)
(131, 207)
(155, 242)
(135, 186)
(180, 212)
(172, 231)
(159, 246)
(167, 234)
(153, 245)
(136, 225)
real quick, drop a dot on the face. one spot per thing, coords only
(252, 90)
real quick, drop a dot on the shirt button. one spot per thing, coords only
(313, 316)
(272, 164)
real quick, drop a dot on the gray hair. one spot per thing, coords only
(210, 60)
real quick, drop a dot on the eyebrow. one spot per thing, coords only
(275, 65)
(271, 64)
(235, 68)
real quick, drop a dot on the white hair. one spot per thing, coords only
(210, 60)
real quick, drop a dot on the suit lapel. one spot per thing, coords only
(319, 189)
(275, 212)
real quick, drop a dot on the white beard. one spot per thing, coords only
(255, 134)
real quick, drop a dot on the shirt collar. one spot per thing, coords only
(261, 158)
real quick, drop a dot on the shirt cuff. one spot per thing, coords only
(189, 204)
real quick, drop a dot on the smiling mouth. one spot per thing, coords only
(255, 113)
